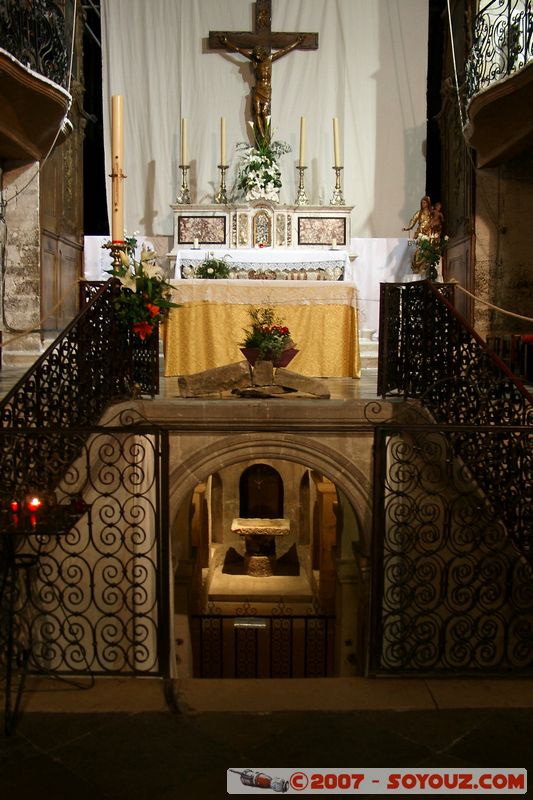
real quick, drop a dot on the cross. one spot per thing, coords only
(257, 46)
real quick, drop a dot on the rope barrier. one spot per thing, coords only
(491, 305)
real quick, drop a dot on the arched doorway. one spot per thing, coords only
(261, 492)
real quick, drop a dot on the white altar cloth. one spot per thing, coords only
(335, 261)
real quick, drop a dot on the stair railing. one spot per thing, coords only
(428, 351)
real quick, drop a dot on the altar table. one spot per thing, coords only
(206, 330)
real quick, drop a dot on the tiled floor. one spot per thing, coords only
(155, 753)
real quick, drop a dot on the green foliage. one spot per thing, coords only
(143, 299)
(259, 173)
(267, 333)
(429, 250)
(212, 268)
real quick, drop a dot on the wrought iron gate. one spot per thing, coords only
(452, 593)
(85, 577)
(280, 646)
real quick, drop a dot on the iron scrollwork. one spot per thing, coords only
(35, 33)
(502, 42)
(88, 599)
(452, 592)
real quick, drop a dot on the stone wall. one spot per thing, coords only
(504, 259)
(21, 266)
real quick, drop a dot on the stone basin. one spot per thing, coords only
(260, 540)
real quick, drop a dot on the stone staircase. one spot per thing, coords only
(368, 349)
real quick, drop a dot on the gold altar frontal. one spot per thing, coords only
(206, 330)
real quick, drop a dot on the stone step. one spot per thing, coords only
(368, 351)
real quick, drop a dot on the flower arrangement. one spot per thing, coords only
(267, 334)
(143, 299)
(212, 267)
(259, 174)
(429, 250)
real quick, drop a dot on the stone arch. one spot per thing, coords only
(313, 452)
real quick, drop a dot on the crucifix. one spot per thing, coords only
(257, 46)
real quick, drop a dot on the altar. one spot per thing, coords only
(260, 223)
(206, 330)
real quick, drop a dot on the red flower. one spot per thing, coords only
(154, 310)
(142, 329)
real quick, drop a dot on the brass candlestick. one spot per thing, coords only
(221, 196)
(301, 197)
(184, 197)
(337, 199)
(116, 249)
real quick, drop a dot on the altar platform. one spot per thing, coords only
(206, 330)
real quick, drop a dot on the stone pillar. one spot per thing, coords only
(349, 660)
(21, 268)
(327, 529)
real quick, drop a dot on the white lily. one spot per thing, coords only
(128, 281)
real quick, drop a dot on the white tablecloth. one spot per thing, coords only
(263, 258)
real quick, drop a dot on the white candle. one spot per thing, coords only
(223, 141)
(184, 142)
(336, 151)
(117, 156)
(195, 243)
(333, 244)
(302, 141)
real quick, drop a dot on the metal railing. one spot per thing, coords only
(502, 42)
(85, 575)
(450, 593)
(429, 352)
(38, 33)
(92, 363)
(273, 646)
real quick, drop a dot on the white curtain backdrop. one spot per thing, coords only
(369, 71)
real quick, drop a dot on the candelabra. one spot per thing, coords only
(301, 197)
(221, 196)
(184, 197)
(337, 198)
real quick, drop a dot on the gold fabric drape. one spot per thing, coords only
(206, 330)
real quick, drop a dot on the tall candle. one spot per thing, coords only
(117, 158)
(302, 141)
(223, 141)
(184, 142)
(336, 151)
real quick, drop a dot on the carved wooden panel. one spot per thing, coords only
(61, 221)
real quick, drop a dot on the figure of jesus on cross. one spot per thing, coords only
(257, 48)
